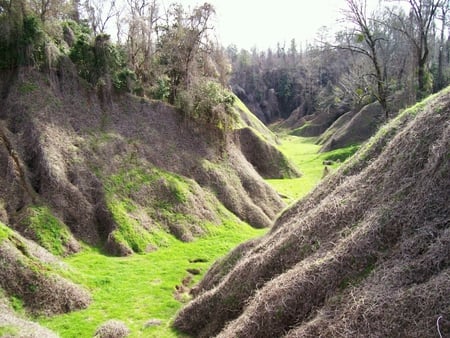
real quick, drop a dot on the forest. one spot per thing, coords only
(395, 54)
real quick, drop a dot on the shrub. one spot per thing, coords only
(208, 103)
(161, 90)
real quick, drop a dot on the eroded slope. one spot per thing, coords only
(119, 170)
(365, 254)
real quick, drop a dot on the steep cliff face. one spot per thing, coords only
(117, 169)
(367, 253)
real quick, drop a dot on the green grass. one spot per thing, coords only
(27, 87)
(50, 232)
(8, 331)
(120, 188)
(304, 153)
(141, 287)
(4, 232)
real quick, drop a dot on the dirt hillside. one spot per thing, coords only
(115, 169)
(352, 127)
(366, 254)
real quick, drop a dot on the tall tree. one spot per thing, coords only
(443, 16)
(143, 16)
(364, 39)
(184, 40)
(99, 13)
(417, 28)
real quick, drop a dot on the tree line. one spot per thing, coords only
(165, 53)
(395, 54)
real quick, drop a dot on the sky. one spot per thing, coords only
(261, 24)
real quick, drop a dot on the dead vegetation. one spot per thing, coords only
(366, 254)
(268, 161)
(15, 326)
(61, 148)
(352, 127)
(30, 273)
(112, 329)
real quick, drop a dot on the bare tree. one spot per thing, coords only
(99, 13)
(143, 18)
(417, 29)
(365, 40)
(184, 39)
(443, 15)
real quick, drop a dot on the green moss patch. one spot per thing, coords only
(149, 205)
(130, 233)
(48, 230)
(5, 232)
(8, 331)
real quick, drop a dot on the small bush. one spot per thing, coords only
(161, 90)
(112, 329)
(208, 103)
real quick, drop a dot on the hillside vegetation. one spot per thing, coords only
(127, 175)
(129, 167)
(365, 254)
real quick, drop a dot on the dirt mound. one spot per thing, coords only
(313, 125)
(114, 169)
(352, 128)
(30, 273)
(268, 161)
(365, 254)
(12, 325)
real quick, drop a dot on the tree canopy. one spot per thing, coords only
(393, 54)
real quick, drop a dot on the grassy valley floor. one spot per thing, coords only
(140, 290)
(304, 153)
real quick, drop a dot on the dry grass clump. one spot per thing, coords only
(238, 186)
(13, 325)
(43, 291)
(112, 329)
(268, 161)
(363, 255)
(358, 128)
(222, 267)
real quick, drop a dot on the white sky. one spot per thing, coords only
(263, 23)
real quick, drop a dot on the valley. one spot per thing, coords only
(155, 183)
(142, 288)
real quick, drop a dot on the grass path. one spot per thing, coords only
(304, 153)
(139, 288)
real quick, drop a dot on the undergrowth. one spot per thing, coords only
(139, 289)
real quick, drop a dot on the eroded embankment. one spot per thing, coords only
(365, 254)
